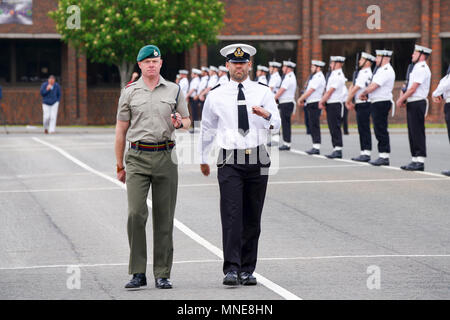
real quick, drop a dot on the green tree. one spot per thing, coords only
(112, 32)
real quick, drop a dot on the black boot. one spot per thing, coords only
(139, 280)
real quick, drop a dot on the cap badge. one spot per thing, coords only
(238, 52)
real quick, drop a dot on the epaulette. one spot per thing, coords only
(263, 84)
(218, 85)
(128, 85)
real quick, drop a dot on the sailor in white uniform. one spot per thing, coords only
(310, 101)
(192, 93)
(223, 75)
(286, 97)
(261, 74)
(415, 97)
(379, 94)
(361, 79)
(184, 82)
(333, 100)
(239, 116)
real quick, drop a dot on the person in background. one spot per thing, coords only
(51, 94)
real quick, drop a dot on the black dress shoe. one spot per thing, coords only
(284, 148)
(380, 162)
(336, 154)
(139, 280)
(313, 151)
(163, 283)
(362, 158)
(413, 166)
(446, 173)
(247, 279)
(231, 279)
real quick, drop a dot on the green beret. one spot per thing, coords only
(149, 51)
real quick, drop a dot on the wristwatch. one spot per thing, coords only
(181, 126)
(269, 117)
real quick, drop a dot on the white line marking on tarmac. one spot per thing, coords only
(93, 265)
(365, 164)
(263, 280)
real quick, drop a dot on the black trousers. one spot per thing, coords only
(345, 121)
(286, 110)
(194, 110)
(363, 121)
(380, 114)
(242, 193)
(334, 111)
(308, 128)
(415, 116)
(447, 118)
(313, 112)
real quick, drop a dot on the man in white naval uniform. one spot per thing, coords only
(223, 75)
(240, 115)
(192, 93)
(310, 101)
(212, 81)
(261, 72)
(442, 93)
(415, 97)
(274, 85)
(379, 94)
(184, 82)
(333, 100)
(286, 97)
(360, 82)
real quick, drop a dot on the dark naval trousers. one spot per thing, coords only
(242, 180)
(194, 110)
(334, 118)
(363, 121)
(313, 112)
(415, 115)
(286, 110)
(380, 114)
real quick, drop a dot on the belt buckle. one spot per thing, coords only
(248, 151)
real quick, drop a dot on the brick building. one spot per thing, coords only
(280, 29)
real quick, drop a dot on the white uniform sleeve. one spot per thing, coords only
(380, 78)
(270, 105)
(444, 86)
(208, 130)
(286, 83)
(314, 83)
(418, 76)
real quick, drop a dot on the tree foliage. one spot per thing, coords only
(112, 31)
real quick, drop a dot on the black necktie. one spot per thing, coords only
(242, 112)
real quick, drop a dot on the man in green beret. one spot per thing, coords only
(150, 110)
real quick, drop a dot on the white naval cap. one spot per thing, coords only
(222, 68)
(205, 69)
(196, 71)
(274, 64)
(368, 56)
(262, 68)
(422, 49)
(384, 53)
(289, 64)
(183, 71)
(213, 68)
(238, 52)
(318, 63)
(337, 58)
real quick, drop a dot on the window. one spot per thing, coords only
(266, 51)
(445, 55)
(103, 75)
(401, 58)
(36, 60)
(5, 62)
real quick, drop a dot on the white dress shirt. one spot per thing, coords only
(289, 83)
(385, 78)
(194, 85)
(262, 79)
(443, 88)
(336, 81)
(213, 80)
(421, 74)
(220, 117)
(317, 83)
(223, 79)
(184, 86)
(275, 82)
(362, 80)
(203, 84)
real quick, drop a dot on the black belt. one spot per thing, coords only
(152, 147)
(257, 155)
